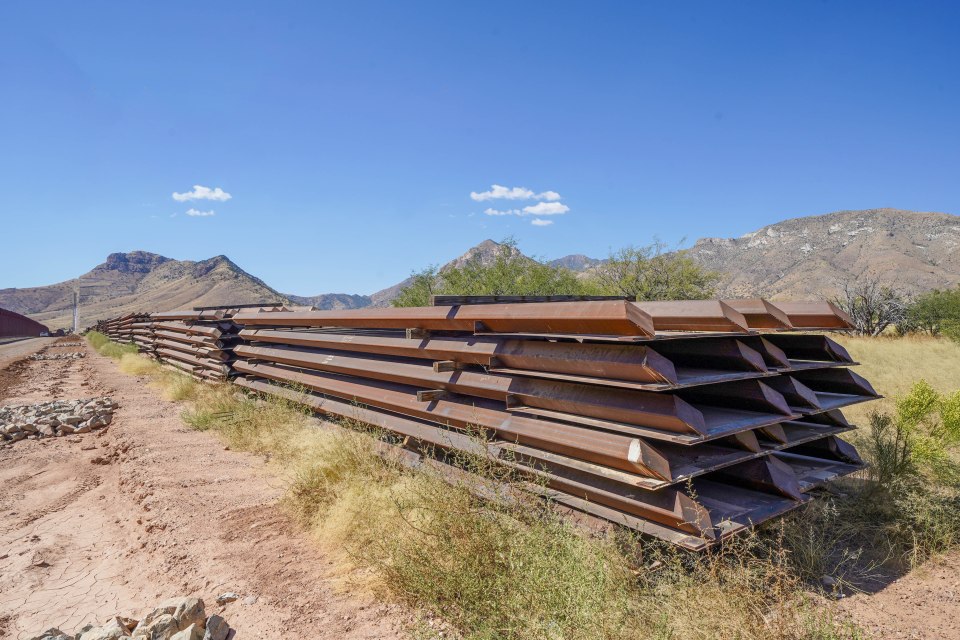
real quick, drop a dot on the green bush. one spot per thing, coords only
(508, 273)
(937, 313)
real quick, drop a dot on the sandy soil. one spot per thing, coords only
(922, 605)
(113, 522)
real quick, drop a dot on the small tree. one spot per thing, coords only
(417, 293)
(872, 306)
(936, 312)
(651, 273)
(509, 272)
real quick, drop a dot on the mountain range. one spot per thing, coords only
(798, 258)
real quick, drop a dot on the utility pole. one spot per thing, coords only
(77, 295)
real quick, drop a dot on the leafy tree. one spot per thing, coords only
(508, 273)
(651, 273)
(937, 312)
(417, 293)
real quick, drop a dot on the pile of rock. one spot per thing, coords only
(62, 345)
(176, 619)
(58, 356)
(55, 418)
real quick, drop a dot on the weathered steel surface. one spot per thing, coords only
(694, 315)
(677, 419)
(15, 325)
(612, 317)
(815, 315)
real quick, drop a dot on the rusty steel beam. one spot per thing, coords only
(651, 411)
(815, 315)
(760, 314)
(620, 365)
(635, 363)
(694, 315)
(714, 353)
(196, 361)
(810, 347)
(614, 317)
(609, 449)
(439, 300)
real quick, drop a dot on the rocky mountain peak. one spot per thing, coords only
(132, 262)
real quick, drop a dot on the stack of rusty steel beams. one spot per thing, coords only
(142, 330)
(686, 420)
(199, 342)
(122, 329)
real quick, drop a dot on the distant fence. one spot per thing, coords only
(15, 325)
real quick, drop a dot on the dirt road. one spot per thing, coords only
(113, 522)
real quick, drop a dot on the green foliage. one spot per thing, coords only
(912, 512)
(937, 312)
(889, 449)
(642, 273)
(106, 347)
(928, 424)
(508, 273)
(651, 273)
(417, 294)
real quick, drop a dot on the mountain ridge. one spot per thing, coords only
(802, 257)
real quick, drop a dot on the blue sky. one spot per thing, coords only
(351, 135)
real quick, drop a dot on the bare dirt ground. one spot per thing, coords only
(113, 522)
(922, 605)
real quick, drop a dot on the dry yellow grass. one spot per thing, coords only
(893, 365)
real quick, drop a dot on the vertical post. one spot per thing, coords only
(76, 310)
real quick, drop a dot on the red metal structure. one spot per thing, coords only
(15, 325)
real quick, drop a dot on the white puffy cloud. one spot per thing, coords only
(503, 212)
(200, 214)
(540, 222)
(546, 209)
(201, 192)
(499, 192)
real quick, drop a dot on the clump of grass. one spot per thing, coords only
(104, 346)
(137, 365)
(250, 423)
(177, 386)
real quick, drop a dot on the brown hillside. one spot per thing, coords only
(140, 281)
(813, 256)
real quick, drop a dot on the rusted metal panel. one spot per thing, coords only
(611, 449)
(694, 315)
(439, 300)
(613, 317)
(818, 314)
(652, 411)
(15, 325)
(760, 314)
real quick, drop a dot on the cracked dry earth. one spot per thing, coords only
(111, 522)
